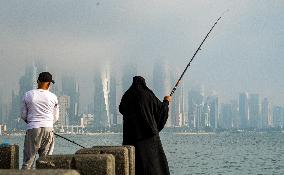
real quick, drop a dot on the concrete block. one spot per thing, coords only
(88, 151)
(39, 172)
(95, 164)
(9, 157)
(131, 156)
(85, 164)
(119, 152)
(56, 162)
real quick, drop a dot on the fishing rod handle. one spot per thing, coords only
(173, 91)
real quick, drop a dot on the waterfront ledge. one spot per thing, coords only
(101, 160)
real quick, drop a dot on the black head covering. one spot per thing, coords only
(139, 84)
(139, 81)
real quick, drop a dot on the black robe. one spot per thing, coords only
(144, 116)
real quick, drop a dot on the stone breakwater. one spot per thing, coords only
(98, 160)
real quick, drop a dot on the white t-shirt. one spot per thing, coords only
(39, 108)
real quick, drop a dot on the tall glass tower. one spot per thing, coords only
(254, 111)
(102, 98)
(244, 110)
(70, 87)
(266, 114)
(161, 87)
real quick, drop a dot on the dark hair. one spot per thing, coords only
(45, 77)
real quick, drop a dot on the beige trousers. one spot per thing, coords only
(37, 140)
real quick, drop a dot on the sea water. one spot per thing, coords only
(197, 153)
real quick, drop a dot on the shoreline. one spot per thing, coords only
(163, 132)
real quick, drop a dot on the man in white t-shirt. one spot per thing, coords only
(40, 111)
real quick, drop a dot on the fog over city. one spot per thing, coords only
(244, 52)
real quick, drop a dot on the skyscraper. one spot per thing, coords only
(214, 111)
(161, 87)
(177, 108)
(206, 115)
(15, 111)
(266, 114)
(199, 120)
(195, 99)
(102, 98)
(235, 113)
(161, 79)
(6, 108)
(278, 116)
(64, 108)
(244, 110)
(70, 87)
(112, 104)
(226, 116)
(254, 111)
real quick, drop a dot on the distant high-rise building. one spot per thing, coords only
(199, 119)
(6, 108)
(214, 111)
(278, 116)
(64, 107)
(161, 79)
(102, 98)
(266, 114)
(70, 87)
(235, 114)
(244, 110)
(161, 87)
(254, 111)
(90, 108)
(195, 99)
(206, 115)
(177, 109)
(14, 113)
(112, 104)
(226, 116)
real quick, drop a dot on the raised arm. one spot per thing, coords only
(162, 112)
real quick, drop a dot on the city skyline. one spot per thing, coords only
(243, 53)
(191, 107)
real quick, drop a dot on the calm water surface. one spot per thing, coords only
(222, 153)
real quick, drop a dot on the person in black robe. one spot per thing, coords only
(144, 116)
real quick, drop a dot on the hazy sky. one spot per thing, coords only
(243, 53)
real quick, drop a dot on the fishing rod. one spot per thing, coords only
(69, 140)
(199, 48)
